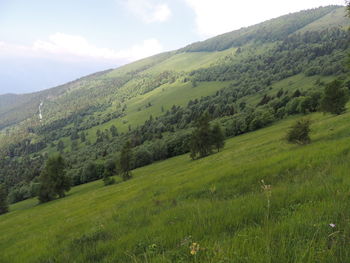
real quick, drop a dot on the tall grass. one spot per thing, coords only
(259, 200)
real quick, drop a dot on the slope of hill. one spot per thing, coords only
(269, 31)
(261, 74)
(259, 200)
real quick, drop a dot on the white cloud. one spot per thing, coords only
(62, 46)
(220, 16)
(148, 10)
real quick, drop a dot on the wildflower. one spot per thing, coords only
(194, 248)
(332, 225)
(267, 189)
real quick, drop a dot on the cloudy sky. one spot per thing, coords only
(44, 43)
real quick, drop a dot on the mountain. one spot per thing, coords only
(259, 199)
(245, 79)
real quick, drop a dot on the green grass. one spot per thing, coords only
(291, 84)
(190, 61)
(336, 18)
(217, 202)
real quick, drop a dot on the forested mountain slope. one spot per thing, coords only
(245, 80)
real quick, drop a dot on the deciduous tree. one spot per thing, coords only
(53, 180)
(334, 98)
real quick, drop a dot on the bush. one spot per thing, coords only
(299, 132)
(108, 180)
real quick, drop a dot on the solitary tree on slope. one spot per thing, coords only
(53, 180)
(125, 161)
(3, 200)
(334, 98)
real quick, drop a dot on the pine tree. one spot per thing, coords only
(3, 200)
(113, 131)
(125, 161)
(334, 98)
(60, 146)
(53, 180)
(201, 139)
(74, 135)
(82, 137)
(218, 137)
(109, 170)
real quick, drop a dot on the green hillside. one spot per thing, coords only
(260, 199)
(218, 202)
(245, 79)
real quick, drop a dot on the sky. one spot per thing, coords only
(45, 43)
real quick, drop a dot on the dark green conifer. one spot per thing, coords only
(53, 180)
(334, 98)
(125, 161)
(218, 137)
(3, 200)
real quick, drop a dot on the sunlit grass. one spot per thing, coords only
(217, 202)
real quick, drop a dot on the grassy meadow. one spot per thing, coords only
(258, 200)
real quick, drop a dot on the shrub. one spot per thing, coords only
(299, 132)
(108, 180)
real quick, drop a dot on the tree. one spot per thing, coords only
(60, 146)
(113, 131)
(125, 161)
(334, 98)
(194, 83)
(218, 137)
(82, 137)
(348, 9)
(74, 146)
(299, 132)
(201, 139)
(109, 170)
(53, 180)
(3, 200)
(74, 135)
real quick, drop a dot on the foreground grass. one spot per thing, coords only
(218, 202)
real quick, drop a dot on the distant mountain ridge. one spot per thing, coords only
(16, 108)
(272, 30)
